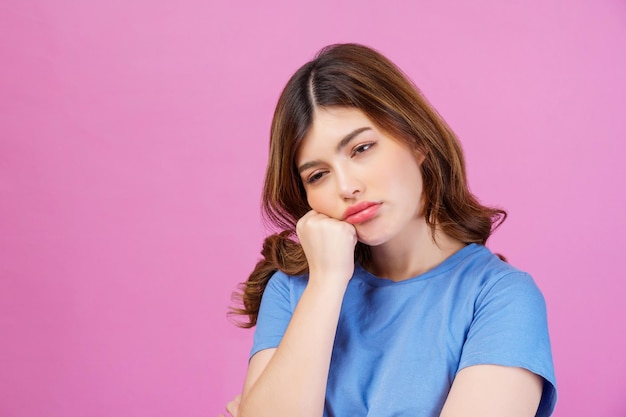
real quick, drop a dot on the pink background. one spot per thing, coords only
(133, 138)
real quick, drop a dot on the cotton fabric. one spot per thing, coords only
(399, 345)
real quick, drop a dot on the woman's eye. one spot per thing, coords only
(361, 148)
(314, 177)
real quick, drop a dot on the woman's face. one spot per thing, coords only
(352, 171)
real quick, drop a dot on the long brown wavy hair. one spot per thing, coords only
(351, 75)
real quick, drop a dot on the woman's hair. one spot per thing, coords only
(355, 76)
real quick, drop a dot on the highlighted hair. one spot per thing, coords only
(351, 75)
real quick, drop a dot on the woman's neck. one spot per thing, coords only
(411, 254)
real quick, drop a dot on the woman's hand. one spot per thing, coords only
(328, 245)
(233, 407)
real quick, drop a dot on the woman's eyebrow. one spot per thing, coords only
(342, 144)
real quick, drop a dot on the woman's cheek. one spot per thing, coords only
(313, 201)
(320, 204)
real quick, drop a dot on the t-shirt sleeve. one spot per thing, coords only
(510, 328)
(274, 314)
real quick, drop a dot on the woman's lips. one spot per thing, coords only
(361, 212)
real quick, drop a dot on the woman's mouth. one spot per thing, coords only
(361, 212)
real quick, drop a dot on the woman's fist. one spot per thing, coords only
(328, 245)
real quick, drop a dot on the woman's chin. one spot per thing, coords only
(370, 239)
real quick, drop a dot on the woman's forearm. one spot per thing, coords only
(294, 381)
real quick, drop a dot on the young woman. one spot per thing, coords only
(380, 298)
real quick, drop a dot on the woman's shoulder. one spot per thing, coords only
(492, 276)
(282, 280)
(483, 262)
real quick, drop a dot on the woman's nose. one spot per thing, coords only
(348, 185)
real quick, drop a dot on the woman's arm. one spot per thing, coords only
(493, 391)
(291, 379)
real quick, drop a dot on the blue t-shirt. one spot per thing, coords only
(399, 345)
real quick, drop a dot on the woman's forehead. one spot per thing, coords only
(332, 125)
